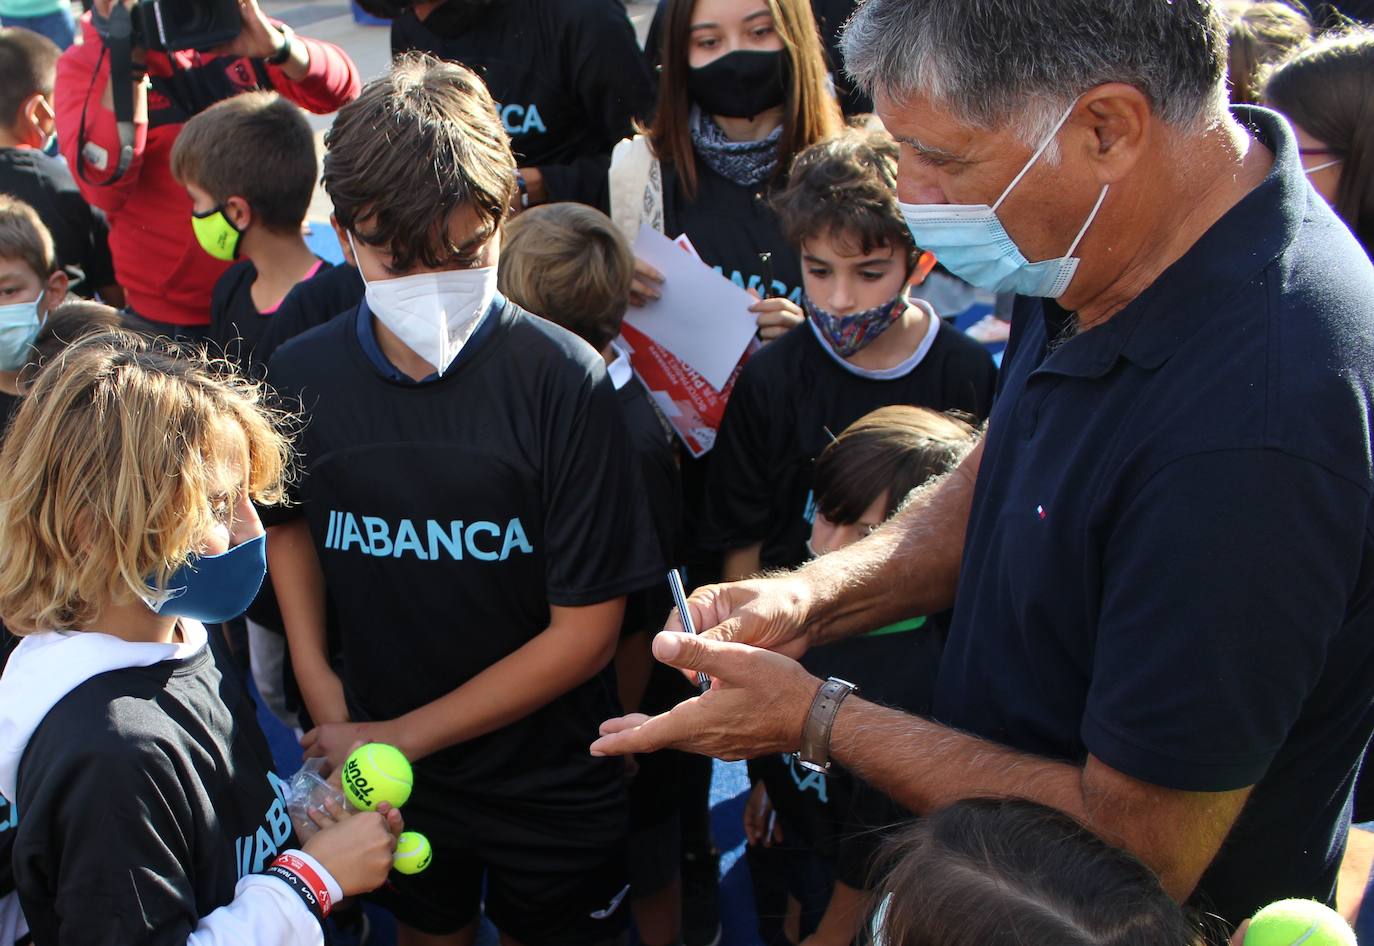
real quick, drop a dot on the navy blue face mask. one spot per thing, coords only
(216, 588)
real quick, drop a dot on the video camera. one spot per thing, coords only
(168, 25)
(185, 24)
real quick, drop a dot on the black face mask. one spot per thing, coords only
(741, 84)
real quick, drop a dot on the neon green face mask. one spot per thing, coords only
(216, 235)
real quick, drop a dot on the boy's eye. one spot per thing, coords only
(818, 273)
(870, 275)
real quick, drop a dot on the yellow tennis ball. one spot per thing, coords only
(413, 852)
(1308, 922)
(376, 773)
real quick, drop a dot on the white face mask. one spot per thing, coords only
(434, 314)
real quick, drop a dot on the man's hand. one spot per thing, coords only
(766, 612)
(334, 741)
(757, 704)
(258, 39)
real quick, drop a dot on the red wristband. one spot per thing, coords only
(307, 874)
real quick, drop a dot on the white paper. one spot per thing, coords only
(702, 318)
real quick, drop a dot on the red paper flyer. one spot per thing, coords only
(687, 400)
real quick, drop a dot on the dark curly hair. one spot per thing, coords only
(845, 187)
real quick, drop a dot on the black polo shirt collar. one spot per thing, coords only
(1249, 237)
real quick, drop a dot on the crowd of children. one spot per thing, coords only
(432, 488)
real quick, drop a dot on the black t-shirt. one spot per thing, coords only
(833, 813)
(647, 609)
(730, 226)
(236, 325)
(79, 231)
(146, 793)
(449, 515)
(313, 302)
(787, 396)
(568, 78)
(1169, 561)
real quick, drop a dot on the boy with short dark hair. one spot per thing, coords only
(814, 833)
(451, 509)
(248, 164)
(571, 264)
(866, 343)
(28, 64)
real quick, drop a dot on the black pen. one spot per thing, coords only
(680, 599)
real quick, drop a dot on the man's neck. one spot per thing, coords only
(1192, 189)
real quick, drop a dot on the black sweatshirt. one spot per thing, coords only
(147, 796)
(567, 75)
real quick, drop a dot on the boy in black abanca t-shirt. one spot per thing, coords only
(452, 507)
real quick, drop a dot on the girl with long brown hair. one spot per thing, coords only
(743, 90)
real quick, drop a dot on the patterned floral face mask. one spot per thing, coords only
(849, 334)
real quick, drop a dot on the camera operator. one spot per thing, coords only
(166, 276)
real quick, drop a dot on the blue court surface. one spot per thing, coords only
(729, 788)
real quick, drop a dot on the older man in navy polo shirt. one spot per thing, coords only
(1163, 552)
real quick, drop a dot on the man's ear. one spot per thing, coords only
(1118, 123)
(238, 212)
(55, 290)
(342, 236)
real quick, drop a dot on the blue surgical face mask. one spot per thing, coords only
(216, 588)
(970, 241)
(19, 325)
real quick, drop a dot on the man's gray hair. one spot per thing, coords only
(1021, 63)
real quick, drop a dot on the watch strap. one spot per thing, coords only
(283, 52)
(814, 753)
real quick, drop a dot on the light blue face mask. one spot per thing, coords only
(19, 325)
(970, 241)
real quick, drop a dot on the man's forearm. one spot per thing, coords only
(908, 568)
(926, 766)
